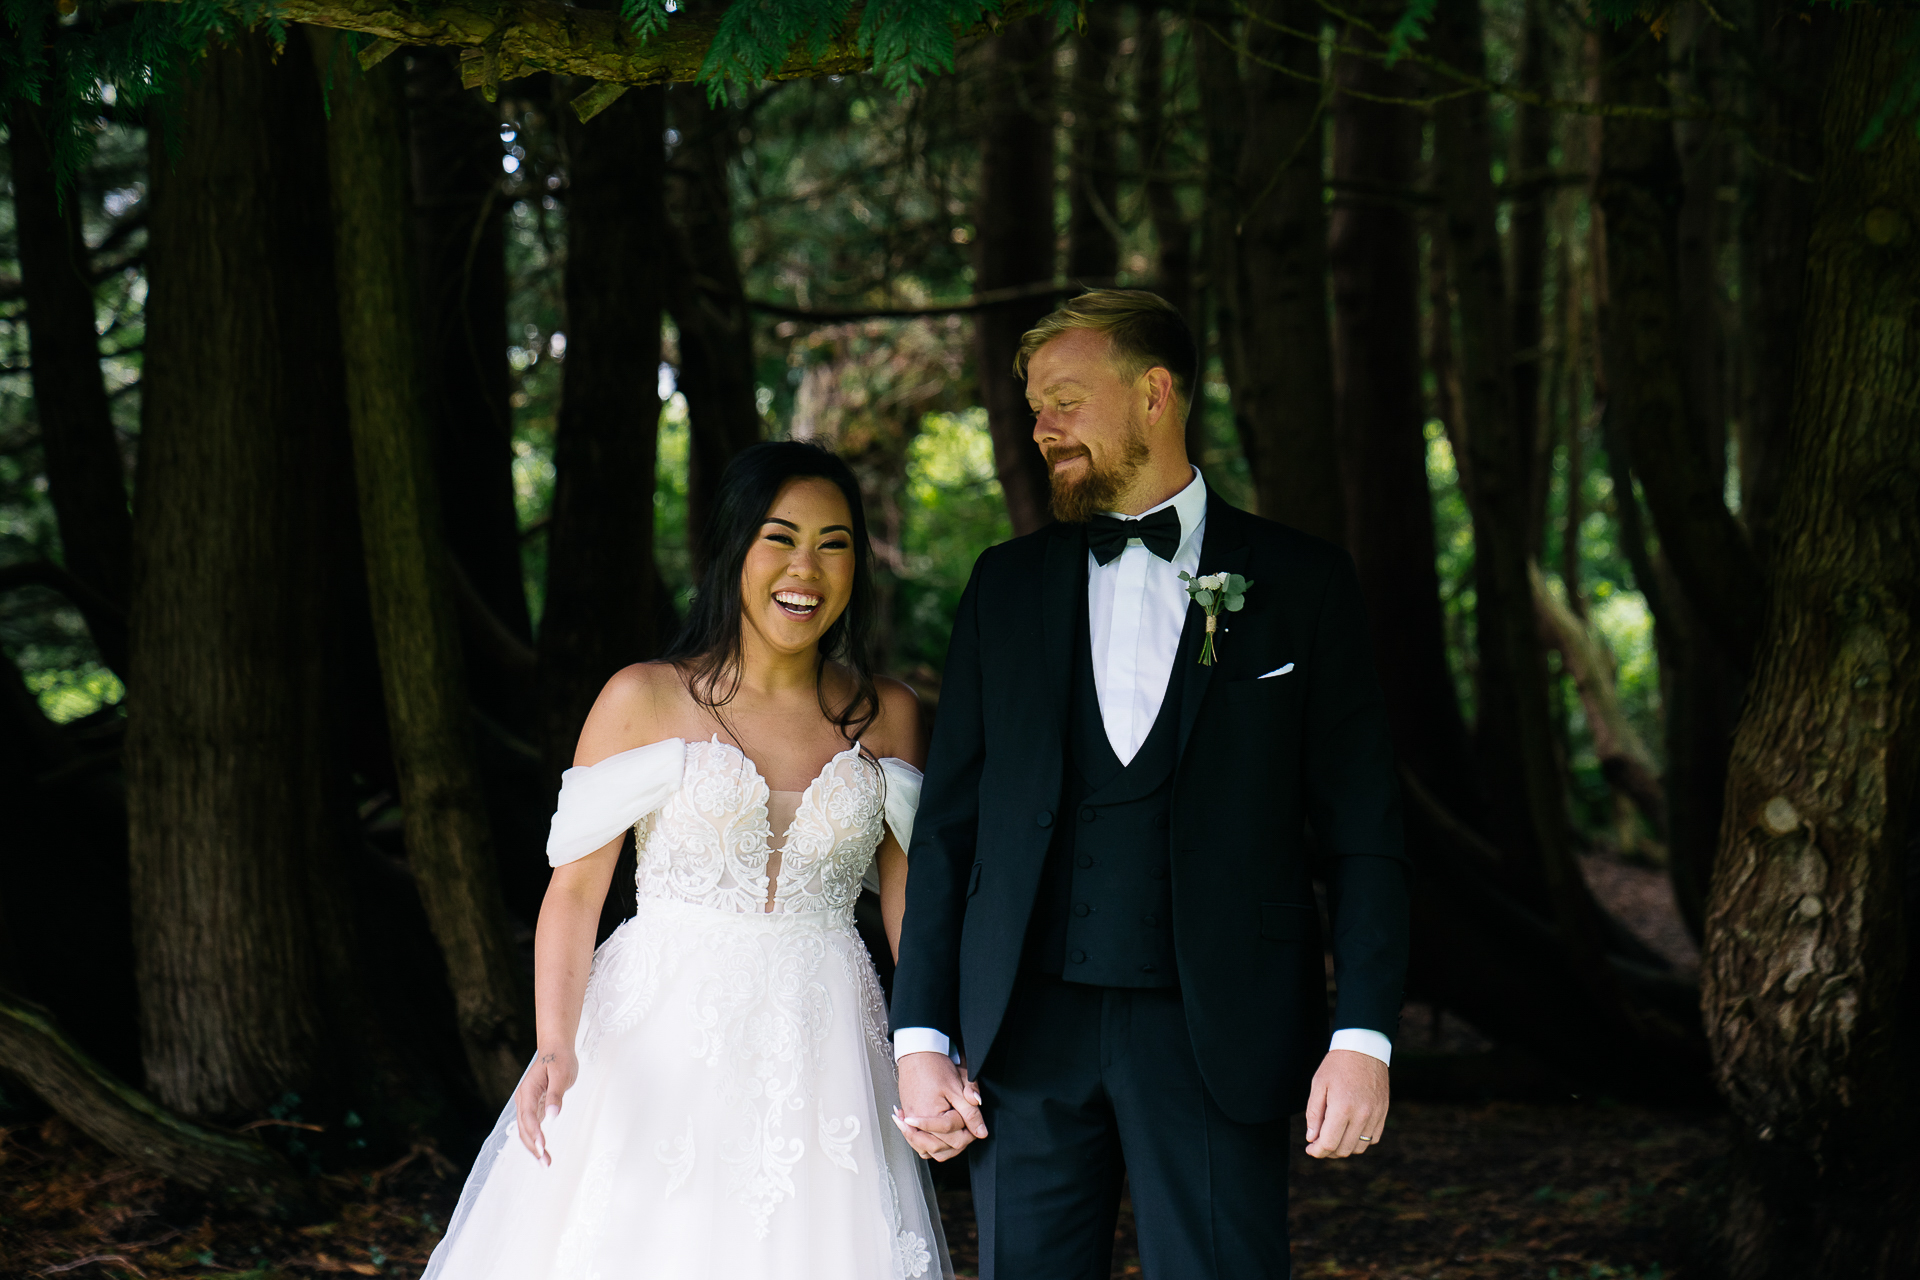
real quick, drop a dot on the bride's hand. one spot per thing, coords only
(539, 1097)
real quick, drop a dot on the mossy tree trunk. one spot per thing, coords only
(449, 846)
(1811, 937)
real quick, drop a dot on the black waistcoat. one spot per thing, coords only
(1103, 915)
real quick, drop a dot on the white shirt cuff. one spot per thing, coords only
(922, 1040)
(1371, 1043)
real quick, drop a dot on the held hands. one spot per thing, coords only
(1347, 1110)
(939, 1111)
(537, 1100)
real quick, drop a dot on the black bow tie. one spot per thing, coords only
(1159, 532)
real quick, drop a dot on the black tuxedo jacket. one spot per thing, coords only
(1259, 759)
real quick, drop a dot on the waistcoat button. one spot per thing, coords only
(1083, 860)
(1159, 873)
(1078, 957)
(1086, 813)
(1045, 818)
(1160, 823)
(1081, 908)
(1152, 921)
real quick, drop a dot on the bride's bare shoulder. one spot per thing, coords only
(898, 729)
(640, 704)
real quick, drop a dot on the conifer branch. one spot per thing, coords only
(508, 39)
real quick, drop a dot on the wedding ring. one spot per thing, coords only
(1365, 1138)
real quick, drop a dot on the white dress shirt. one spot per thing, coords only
(1136, 610)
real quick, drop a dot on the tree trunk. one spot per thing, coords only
(1527, 223)
(409, 576)
(1796, 43)
(709, 306)
(1640, 194)
(1625, 761)
(1375, 256)
(1093, 199)
(235, 1171)
(1283, 382)
(216, 747)
(1014, 244)
(1223, 118)
(85, 474)
(1811, 945)
(601, 609)
(1172, 231)
(459, 230)
(1513, 732)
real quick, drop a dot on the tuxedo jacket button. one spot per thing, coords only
(1078, 957)
(1159, 873)
(1160, 823)
(1081, 908)
(1086, 813)
(1045, 818)
(1083, 860)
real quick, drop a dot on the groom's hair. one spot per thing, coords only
(1145, 330)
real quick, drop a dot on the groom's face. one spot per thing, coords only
(1086, 422)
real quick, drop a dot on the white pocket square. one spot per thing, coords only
(1277, 671)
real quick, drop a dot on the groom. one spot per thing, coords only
(1111, 909)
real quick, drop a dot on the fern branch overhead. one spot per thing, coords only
(737, 43)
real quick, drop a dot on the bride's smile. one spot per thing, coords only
(798, 576)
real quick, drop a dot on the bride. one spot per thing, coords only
(713, 1090)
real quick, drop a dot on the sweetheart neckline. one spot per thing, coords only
(765, 819)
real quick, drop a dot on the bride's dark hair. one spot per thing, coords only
(707, 649)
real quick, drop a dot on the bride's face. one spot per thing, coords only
(798, 576)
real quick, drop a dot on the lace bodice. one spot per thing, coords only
(699, 813)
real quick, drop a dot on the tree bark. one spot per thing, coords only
(1283, 399)
(601, 611)
(1375, 256)
(234, 1171)
(1811, 945)
(1172, 229)
(1513, 732)
(459, 228)
(1625, 761)
(1796, 44)
(1014, 244)
(1093, 197)
(1640, 194)
(409, 576)
(217, 740)
(85, 474)
(709, 305)
(1527, 231)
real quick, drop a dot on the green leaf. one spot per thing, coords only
(1235, 603)
(1205, 598)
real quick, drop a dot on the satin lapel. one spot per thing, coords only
(1063, 575)
(1222, 550)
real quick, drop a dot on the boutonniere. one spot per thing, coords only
(1211, 592)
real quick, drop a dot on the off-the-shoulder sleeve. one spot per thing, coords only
(599, 801)
(903, 799)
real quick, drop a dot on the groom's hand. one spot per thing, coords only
(939, 1108)
(1347, 1110)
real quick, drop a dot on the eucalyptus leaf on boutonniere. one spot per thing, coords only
(1212, 592)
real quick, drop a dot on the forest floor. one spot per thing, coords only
(1577, 1189)
(1505, 1190)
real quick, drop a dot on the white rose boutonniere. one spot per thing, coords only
(1212, 592)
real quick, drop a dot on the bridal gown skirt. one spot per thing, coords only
(732, 1118)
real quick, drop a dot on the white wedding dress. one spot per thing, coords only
(732, 1116)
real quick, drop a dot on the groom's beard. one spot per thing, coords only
(1099, 489)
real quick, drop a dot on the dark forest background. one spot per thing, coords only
(360, 406)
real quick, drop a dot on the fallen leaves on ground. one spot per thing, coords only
(1487, 1192)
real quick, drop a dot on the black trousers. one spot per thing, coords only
(1087, 1084)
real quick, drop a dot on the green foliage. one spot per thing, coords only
(107, 59)
(905, 38)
